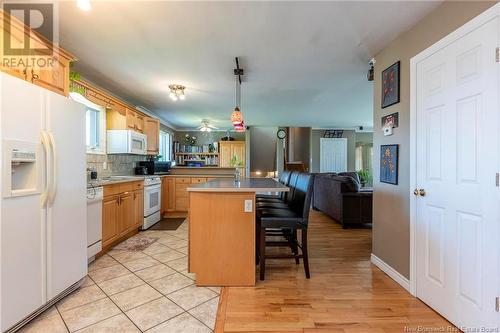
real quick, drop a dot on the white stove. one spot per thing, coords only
(152, 201)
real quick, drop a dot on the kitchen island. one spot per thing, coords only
(222, 230)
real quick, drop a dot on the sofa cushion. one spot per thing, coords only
(352, 174)
(349, 184)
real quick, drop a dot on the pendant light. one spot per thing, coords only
(237, 116)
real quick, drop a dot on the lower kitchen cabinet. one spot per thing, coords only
(175, 197)
(122, 211)
(139, 208)
(110, 213)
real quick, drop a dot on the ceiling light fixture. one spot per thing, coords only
(84, 5)
(177, 92)
(206, 127)
(237, 116)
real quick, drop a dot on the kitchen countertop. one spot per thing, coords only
(114, 180)
(125, 179)
(245, 185)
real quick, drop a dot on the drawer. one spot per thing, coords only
(111, 189)
(198, 180)
(180, 180)
(132, 186)
(181, 190)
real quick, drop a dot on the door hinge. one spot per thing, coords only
(497, 56)
(497, 179)
(497, 304)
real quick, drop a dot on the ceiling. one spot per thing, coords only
(305, 62)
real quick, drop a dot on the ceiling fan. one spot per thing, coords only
(206, 127)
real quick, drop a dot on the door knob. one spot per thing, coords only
(415, 191)
(421, 192)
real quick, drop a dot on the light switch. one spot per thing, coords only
(248, 206)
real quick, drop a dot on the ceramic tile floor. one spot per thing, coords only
(136, 291)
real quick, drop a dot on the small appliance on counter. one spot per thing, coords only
(149, 165)
(141, 170)
(161, 167)
(153, 167)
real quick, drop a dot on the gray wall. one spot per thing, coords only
(299, 141)
(391, 204)
(263, 149)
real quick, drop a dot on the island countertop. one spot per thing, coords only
(245, 185)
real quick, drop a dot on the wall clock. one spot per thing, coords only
(281, 134)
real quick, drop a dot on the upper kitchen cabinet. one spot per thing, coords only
(232, 154)
(134, 121)
(124, 118)
(50, 70)
(152, 131)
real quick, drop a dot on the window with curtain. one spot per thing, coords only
(359, 158)
(165, 146)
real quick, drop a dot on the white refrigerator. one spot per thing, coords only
(43, 199)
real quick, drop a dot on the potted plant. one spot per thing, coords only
(364, 176)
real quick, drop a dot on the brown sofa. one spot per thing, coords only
(341, 197)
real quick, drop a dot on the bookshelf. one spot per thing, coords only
(208, 159)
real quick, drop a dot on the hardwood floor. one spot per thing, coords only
(346, 293)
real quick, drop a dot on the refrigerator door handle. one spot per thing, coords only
(46, 147)
(53, 182)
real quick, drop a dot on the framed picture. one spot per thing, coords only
(389, 164)
(391, 120)
(390, 85)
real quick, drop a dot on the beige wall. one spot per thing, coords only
(391, 222)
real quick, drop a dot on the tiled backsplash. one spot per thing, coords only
(116, 164)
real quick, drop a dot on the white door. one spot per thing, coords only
(67, 206)
(457, 161)
(333, 155)
(22, 227)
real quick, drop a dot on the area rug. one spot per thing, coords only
(168, 224)
(136, 243)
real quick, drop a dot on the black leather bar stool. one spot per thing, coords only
(286, 196)
(283, 179)
(295, 217)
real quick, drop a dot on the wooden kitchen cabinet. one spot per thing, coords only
(55, 79)
(54, 74)
(127, 213)
(110, 218)
(139, 208)
(175, 197)
(122, 213)
(228, 149)
(152, 131)
(124, 118)
(167, 195)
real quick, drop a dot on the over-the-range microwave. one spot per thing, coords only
(126, 142)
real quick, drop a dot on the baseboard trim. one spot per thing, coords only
(393, 274)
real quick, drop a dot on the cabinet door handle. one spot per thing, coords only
(34, 76)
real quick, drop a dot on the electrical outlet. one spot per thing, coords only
(248, 206)
(105, 165)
